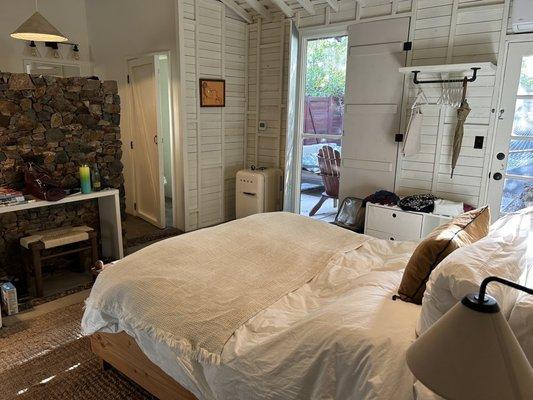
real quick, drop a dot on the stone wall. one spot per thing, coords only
(58, 123)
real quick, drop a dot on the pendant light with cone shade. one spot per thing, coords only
(38, 29)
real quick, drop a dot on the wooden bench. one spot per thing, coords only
(38, 242)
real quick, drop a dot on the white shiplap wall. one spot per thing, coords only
(267, 83)
(454, 31)
(214, 46)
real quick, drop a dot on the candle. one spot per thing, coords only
(85, 179)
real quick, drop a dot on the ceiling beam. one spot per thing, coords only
(259, 8)
(308, 6)
(241, 12)
(334, 5)
(283, 7)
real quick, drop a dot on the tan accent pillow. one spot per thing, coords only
(461, 231)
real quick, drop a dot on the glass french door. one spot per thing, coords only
(321, 125)
(511, 184)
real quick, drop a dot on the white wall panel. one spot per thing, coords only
(214, 46)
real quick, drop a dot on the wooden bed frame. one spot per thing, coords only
(120, 351)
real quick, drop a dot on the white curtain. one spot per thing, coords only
(292, 122)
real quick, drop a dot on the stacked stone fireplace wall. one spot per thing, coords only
(60, 124)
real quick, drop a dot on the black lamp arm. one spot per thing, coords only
(486, 281)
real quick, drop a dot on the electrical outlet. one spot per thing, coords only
(262, 125)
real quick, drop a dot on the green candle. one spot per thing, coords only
(85, 179)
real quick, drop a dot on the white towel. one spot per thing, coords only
(411, 144)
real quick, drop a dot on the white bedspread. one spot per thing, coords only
(338, 337)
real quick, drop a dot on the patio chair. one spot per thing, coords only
(329, 162)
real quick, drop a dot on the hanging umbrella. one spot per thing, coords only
(462, 114)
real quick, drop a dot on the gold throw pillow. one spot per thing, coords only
(461, 231)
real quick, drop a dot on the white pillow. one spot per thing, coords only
(502, 253)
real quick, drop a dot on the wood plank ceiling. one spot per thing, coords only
(248, 9)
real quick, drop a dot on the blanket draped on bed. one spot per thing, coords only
(194, 291)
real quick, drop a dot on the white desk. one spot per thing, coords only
(109, 210)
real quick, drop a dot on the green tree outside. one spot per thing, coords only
(326, 67)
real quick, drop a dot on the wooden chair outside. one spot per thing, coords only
(329, 162)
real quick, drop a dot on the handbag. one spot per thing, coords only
(39, 183)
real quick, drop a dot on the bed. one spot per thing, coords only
(337, 335)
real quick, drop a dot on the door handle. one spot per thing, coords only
(155, 139)
(500, 114)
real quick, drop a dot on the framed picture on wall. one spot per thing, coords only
(212, 93)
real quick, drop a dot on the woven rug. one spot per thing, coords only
(47, 358)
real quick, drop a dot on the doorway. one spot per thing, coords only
(511, 178)
(152, 139)
(320, 125)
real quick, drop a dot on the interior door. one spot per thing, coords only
(511, 178)
(147, 157)
(374, 89)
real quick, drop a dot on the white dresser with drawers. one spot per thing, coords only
(392, 223)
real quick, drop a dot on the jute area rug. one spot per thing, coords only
(47, 358)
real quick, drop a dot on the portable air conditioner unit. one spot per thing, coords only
(258, 191)
(522, 16)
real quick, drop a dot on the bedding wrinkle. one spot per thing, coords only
(338, 336)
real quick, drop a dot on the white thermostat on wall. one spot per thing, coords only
(522, 17)
(262, 125)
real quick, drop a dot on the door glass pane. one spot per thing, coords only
(517, 194)
(520, 158)
(523, 118)
(526, 76)
(324, 85)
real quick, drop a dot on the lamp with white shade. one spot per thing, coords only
(471, 352)
(38, 29)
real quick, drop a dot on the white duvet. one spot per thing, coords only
(340, 336)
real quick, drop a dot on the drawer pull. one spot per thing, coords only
(392, 238)
(393, 215)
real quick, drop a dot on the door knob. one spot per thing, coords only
(497, 176)
(500, 156)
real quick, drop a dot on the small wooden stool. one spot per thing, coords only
(54, 238)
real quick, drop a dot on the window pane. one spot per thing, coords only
(523, 118)
(526, 76)
(517, 194)
(324, 86)
(520, 158)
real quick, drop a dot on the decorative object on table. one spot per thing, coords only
(383, 197)
(448, 207)
(85, 179)
(461, 231)
(40, 184)
(212, 93)
(52, 239)
(472, 353)
(411, 143)
(8, 293)
(462, 114)
(37, 28)
(351, 214)
(329, 162)
(95, 178)
(418, 202)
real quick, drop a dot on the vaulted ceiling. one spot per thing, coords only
(247, 9)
